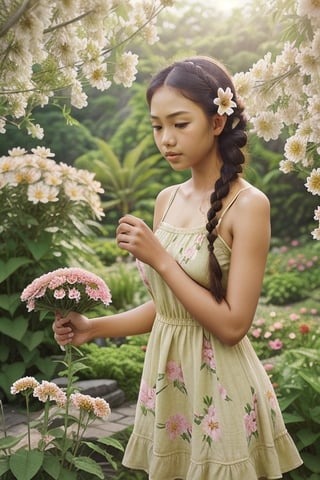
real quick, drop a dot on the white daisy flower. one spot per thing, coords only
(295, 148)
(313, 182)
(286, 166)
(38, 193)
(267, 125)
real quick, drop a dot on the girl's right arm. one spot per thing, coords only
(77, 329)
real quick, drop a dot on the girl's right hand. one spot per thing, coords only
(74, 329)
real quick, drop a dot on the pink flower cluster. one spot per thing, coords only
(98, 406)
(74, 289)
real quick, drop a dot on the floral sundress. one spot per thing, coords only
(206, 411)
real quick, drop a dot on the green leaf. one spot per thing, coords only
(9, 267)
(292, 418)
(51, 465)
(9, 441)
(24, 464)
(311, 462)
(40, 247)
(89, 465)
(307, 437)
(32, 340)
(10, 374)
(4, 465)
(4, 352)
(311, 380)
(14, 328)
(103, 453)
(10, 302)
(111, 442)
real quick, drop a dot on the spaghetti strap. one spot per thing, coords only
(172, 197)
(232, 202)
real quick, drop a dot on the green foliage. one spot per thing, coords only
(296, 377)
(68, 142)
(107, 250)
(126, 286)
(284, 288)
(128, 182)
(292, 272)
(123, 473)
(123, 364)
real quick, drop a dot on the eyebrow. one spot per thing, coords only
(174, 114)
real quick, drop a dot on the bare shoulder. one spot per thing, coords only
(250, 220)
(162, 202)
(252, 199)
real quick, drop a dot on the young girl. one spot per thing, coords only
(206, 408)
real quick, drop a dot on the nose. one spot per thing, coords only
(168, 138)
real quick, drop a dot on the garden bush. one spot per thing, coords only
(122, 363)
(296, 379)
(292, 272)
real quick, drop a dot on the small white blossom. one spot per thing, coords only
(224, 101)
(317, 214)
(35, 131)
(126, 69)
(295, 149)
(311, 8)
(267, 125)
(313, 182)
(316, 233)
(38, 193)
(286, 166)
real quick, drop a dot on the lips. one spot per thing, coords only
(171, 155)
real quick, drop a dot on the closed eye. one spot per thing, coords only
(181, 125)
(156, 127)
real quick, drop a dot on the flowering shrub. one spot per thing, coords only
(274, 332)
(281, 94)
(54, 444)
(292, 272)
(58, 47)
(296, 380)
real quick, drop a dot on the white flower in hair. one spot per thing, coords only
(224, 101)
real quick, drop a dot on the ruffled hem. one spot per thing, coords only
(264, 461)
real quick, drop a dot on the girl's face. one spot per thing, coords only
(182, 131)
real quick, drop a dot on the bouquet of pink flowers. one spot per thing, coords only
(65, 290)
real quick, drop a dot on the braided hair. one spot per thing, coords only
(198, 79)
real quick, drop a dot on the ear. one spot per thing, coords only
(218, 123)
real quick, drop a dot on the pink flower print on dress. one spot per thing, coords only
(177, 426)
(190, 252)
(174, 374)
(210, 425)
(223, 392)
(147, 398)
(142, 273)
(250, 417)
(208, 360)
(209, 421)
(273, 404)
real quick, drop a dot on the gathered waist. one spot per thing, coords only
(176, 320)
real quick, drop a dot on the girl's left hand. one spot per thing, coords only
(138, 239)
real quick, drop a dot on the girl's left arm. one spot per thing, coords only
(231, 319)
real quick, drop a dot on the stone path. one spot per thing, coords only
(122, 412)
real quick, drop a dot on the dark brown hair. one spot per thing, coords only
(198, 79)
